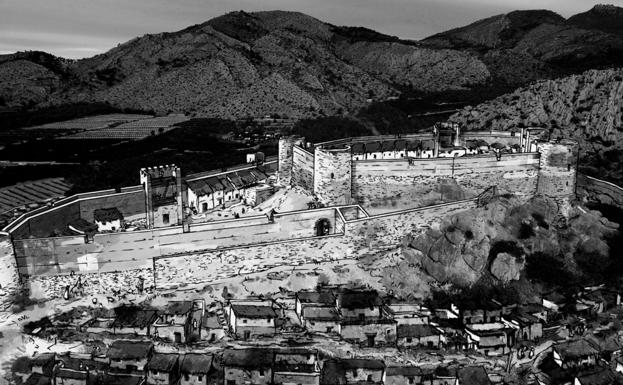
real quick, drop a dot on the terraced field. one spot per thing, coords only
(22, 197)
(91, 122)
(133, 130)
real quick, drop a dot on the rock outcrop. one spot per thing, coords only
(494, 241)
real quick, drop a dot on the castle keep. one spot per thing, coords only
(369, 191)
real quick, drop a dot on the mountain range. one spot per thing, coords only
(251, 64)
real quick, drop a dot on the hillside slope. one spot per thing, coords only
(523, 46)
(586, 107)
(252, 64)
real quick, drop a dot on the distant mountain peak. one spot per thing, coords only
(606, 8)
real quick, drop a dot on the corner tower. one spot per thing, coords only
(286, 148)
(332, 175)
(163, 195)
(557, 168)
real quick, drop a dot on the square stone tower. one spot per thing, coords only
(163, 195)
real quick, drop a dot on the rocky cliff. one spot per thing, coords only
(586, 107)
(498, 240)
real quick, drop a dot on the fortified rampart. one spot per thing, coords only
(332, 175)
(399, 183)
(45, 221)
(225, 248)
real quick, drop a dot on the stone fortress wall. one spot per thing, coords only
(199, 253)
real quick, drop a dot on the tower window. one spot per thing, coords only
(332, 176)
(165, 219)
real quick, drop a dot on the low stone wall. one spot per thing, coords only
(591, 189)
(126, 282)
(9, 277)
(362, 237)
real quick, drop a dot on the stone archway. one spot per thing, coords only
(322, 227)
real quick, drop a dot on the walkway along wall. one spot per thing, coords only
(395, 184)
(44, 221)
(591, 189)
(361, 237)
(135, 250)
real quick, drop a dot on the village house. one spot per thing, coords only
(296, 366)
(575, 354)
(129, 356)
(369, 331)
(38, 379)
(195, 368)
(353, 371)
(486, 311)
(599, 376)
(247, 366)
(102, 322)
(360, 304)
(174, 322)
(316, 298)
(536, 310)
(43, 364)
(108, 219)
(133, 320)
(373, 150)
(77, 369)
(162, 369)
(418, 335)
(358, 151)
(120, 379)
(407, 314)
(473, 375)
(527, 326)
(407, 375)
(491, 338)
(246, 320)
(211, 328)
(321, 319)
(443, 375)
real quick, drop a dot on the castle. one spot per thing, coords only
(371, 190)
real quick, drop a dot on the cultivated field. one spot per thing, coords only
(133, 130)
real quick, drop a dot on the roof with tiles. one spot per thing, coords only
(253, 311)
(248, 358)
(199, 363)
(163, 362)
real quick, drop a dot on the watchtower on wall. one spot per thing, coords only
(557, 168)
(286, 148)
(332, 175)
(163, 195)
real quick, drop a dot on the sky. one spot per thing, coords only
(82, 28)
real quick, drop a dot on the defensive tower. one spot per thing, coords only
(163, 195)
(286, 148)
(332, 175)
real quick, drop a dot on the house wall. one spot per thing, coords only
(321, 326)
(396, 184)
(246, 376)
(302, 168)
(160, 378)
(123, 364)
(281, 378)
(255, 330)
(194, 379)
(359, 333)
(374, 312)
(420, 341)
(361, 375)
